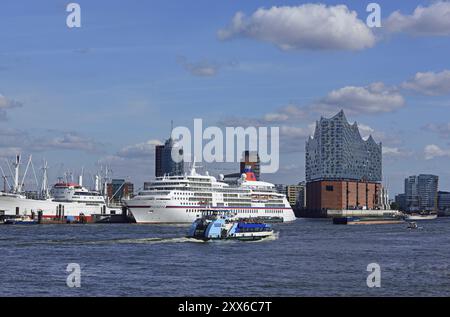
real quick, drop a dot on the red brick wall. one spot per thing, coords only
(345, 194)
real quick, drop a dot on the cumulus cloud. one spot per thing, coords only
(432, 20)
(6, 104)
(140, 150)
(67, 141)
(20, 141)
(371, 99)
(432, 151)
(430, 83)
(304, 27)
(290, 112)
(394, 152)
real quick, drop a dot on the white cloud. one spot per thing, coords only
(365, 131)
(431, 20)
(290, 112)
(432, 151)
(394, 152)
(430, 83)
(304, 27)
(67, 141)
(6, 104)
(295, 132)
(140, 150)
(8, 152)
(371, 99)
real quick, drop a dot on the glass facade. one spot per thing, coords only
(338, 152)
(421, 192)
(164, 162)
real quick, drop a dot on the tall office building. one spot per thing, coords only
(443, 201)
(164, 162)
(343, 171)
(158, 160)
(251, 158)
(400, 200)
(421, 192)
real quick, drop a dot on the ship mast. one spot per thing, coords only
(16, 165)
(44, 186)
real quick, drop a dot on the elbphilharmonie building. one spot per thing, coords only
(338, 152)
(343, 171)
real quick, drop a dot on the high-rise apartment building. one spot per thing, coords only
(421, 193)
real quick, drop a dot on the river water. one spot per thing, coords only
(306, 258)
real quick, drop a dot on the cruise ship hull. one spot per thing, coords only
(13, 206)
(182, 215)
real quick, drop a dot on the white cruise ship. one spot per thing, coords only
(181, 199)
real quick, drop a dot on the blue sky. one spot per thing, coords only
(107, 91)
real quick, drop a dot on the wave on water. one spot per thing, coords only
(159, 240)
(152, 240)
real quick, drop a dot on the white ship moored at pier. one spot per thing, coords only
(64, 200)
(181, 199)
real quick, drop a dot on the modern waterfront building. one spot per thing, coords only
(343, 171)
(119, 189)
(251, 159)
(443, 201)
(280, 188)
(400, 200)
(385, 204)
(421, 193)
(295, 193)
(164, 162)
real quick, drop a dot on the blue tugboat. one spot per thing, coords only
(224, 225)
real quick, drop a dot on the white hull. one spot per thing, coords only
(12, 206)
(420, 217)
(182, 215)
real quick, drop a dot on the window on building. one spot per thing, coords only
(329, 188)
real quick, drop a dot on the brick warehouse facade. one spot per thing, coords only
(340, 194)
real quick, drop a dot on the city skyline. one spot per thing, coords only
(62, 98)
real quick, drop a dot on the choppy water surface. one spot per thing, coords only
(308, 258)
